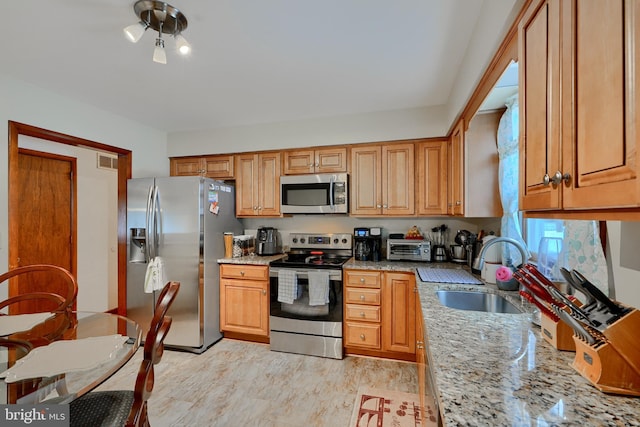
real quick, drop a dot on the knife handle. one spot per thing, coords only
(597, 293)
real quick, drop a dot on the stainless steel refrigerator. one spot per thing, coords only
(182, 220)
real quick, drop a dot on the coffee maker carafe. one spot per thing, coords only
(367, 244)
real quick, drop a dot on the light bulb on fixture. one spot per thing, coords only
(182, 44)
(159, 55)
(135, 31)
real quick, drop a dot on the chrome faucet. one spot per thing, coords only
(479, 261)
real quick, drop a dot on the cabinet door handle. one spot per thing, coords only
(419, 344)
(264, 292)
(556, 179)
(378, 206)
(458, 202)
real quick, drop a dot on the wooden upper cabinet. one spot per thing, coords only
(455, 178)
(431, 164)
(258, 184)
(217, 166)
(326, 160)
(579, 103)
(600, 134)
(382, 180)
(539, 74)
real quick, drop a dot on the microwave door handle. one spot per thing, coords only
(331, 187)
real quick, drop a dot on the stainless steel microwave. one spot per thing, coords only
(314, 194)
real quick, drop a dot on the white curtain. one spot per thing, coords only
(582, 250)
(508, 178)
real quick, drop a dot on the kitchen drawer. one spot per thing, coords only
(365, 313)
(361, 278)
(362, 335)
(362, 296)
(239, 271)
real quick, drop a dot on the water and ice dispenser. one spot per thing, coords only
(137, 245)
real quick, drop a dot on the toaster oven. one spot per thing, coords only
(408, 250)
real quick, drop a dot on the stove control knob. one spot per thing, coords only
(344, 241)
(294, 240)
(335, 241)
(302, 240)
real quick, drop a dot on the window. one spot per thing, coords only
(536, 229)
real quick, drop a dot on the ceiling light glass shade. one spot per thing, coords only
(134, 32)
(159, 55)
(183, 45)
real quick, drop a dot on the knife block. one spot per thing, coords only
(612, 366)
(557, 333)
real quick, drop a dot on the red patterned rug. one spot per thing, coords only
(387, 408)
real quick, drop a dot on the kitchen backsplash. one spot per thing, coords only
(346, 224)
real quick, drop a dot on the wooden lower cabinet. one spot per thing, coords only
(244, 301)
(379, 314)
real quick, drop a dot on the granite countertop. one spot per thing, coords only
(251, 259)
(493, 369)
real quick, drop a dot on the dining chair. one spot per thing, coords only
(49, 300)
(129, 407)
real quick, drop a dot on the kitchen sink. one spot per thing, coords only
(476, 301)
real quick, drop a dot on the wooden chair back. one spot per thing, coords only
(50, 301)
(153, 350)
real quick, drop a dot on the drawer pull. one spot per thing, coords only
(362, 337)
(242, 273)
(361, 297)
(362, 280)
(362, 314)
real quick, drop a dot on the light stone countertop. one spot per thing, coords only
(493, 369)
(251, 259)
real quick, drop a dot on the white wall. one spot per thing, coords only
(31, 105)
(356, 128)
(626, 280)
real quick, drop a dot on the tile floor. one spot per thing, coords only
(237, 383)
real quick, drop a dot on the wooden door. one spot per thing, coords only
(455, 184)
(269, 184)
(218, 167)
(45, 222)
(398, 313)
(299, 162)
(398, 179)
(246, 185)
(186, 166)
(601, 103)
(432, 177)
(244, 307)
(539, 76)
(331, 160)
(366, 175)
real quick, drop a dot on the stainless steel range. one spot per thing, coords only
(306, 295)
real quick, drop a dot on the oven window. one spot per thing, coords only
(300, 309)
(305, 194)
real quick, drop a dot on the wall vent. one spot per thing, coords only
(107, 162)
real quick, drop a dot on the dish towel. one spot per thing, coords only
(318, 287)
(287, 286)
(155, 278)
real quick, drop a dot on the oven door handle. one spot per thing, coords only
(301, 274)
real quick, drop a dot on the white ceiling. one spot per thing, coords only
(253, 62)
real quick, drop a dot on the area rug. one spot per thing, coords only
(387, 408)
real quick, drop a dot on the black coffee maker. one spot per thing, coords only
(367, 243)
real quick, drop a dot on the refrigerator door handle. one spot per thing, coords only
(147, 226)
(155, 220)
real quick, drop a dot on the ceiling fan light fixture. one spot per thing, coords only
(163, 18)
